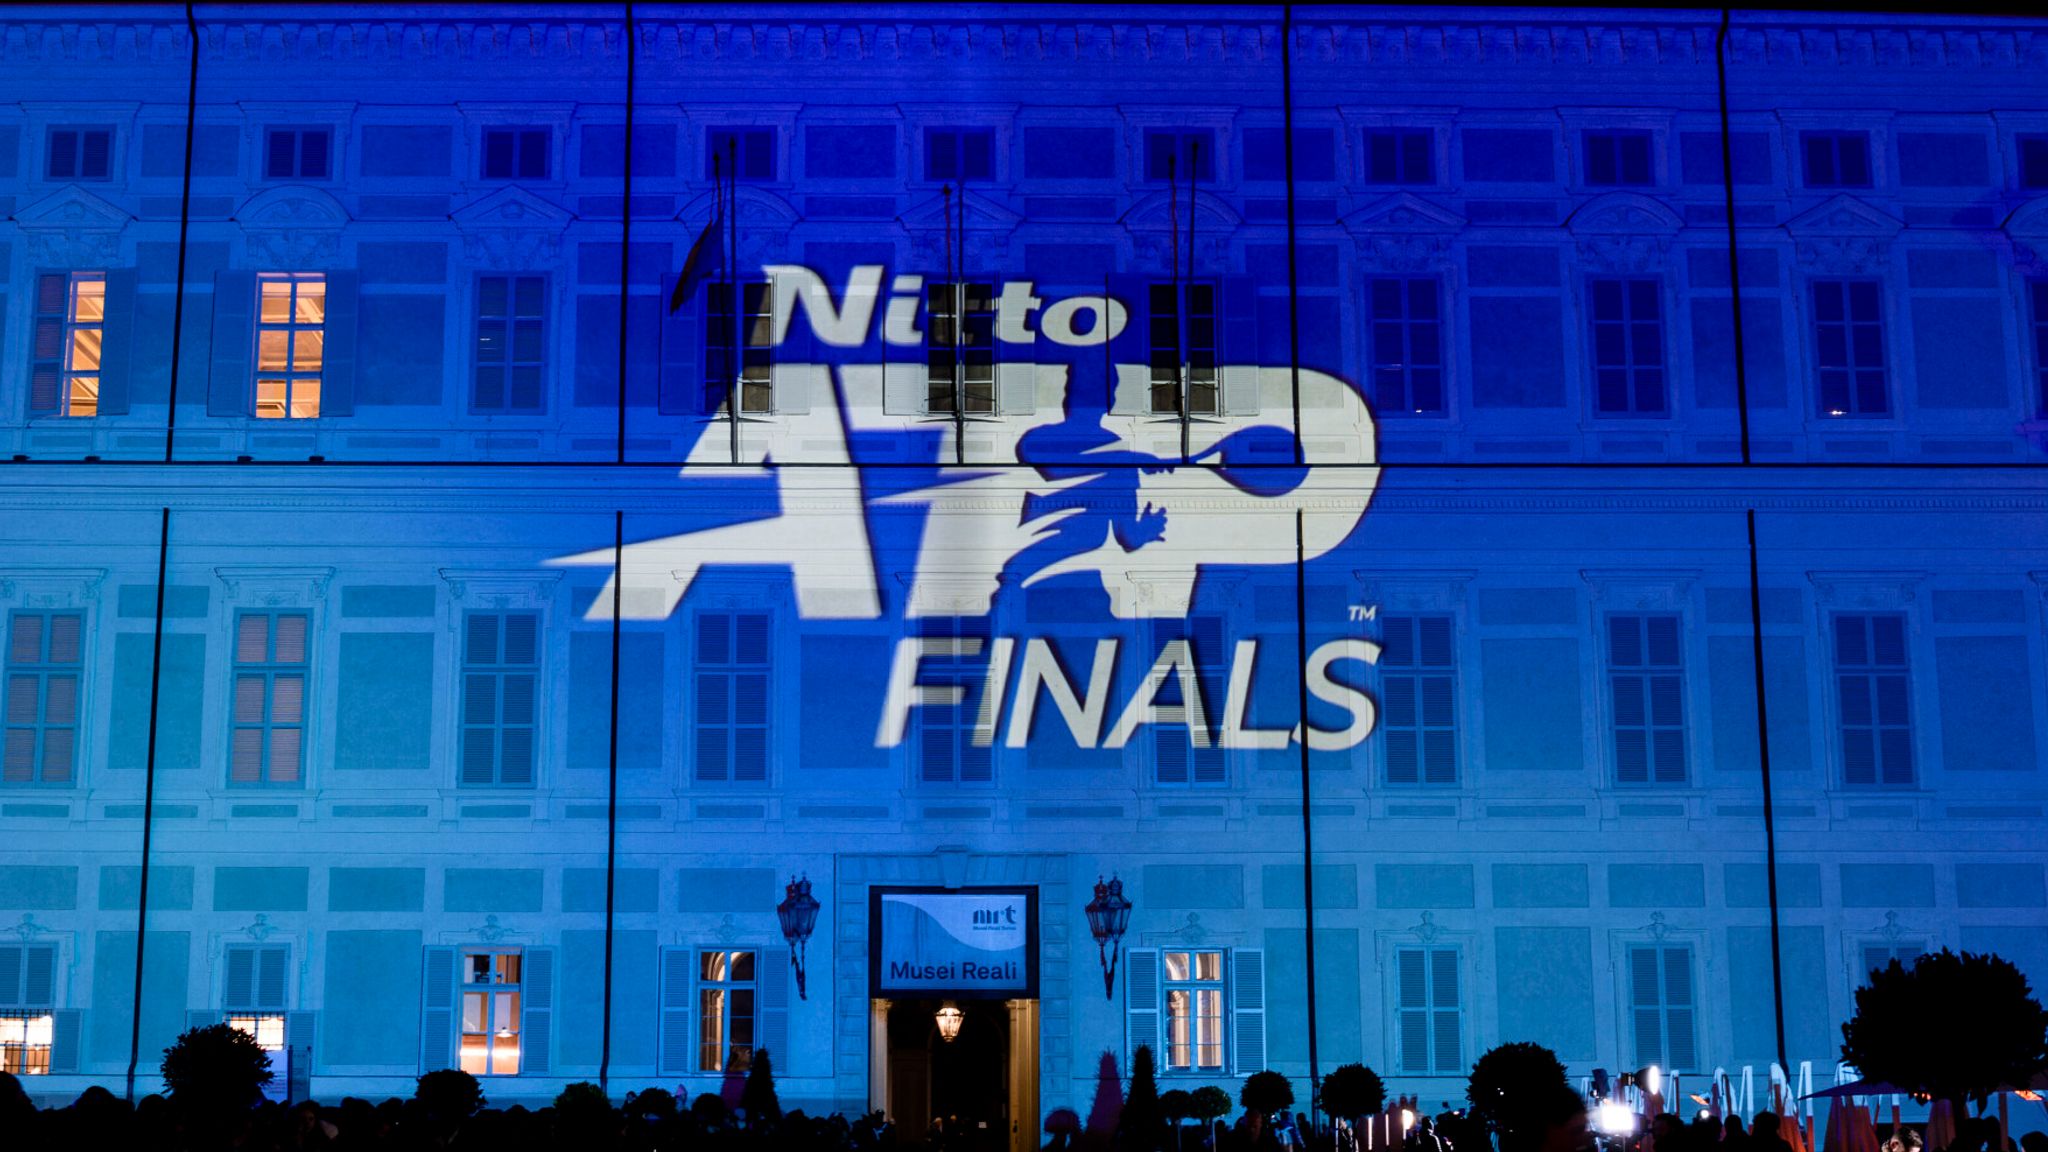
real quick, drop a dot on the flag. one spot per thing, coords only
(706, 255)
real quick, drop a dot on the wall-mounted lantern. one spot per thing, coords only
(1108, 915)
(799, 915)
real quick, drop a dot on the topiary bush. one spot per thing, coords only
(216, 1070)
(1508, 1089)
(1906, 1030)
(1266, 1093)
(1353, 1091)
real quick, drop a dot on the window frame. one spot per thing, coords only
(501, 671)
(1432, 1011)
(1833, 139)
(955, 724)
(1181, 135)
(1188, 358)
(932, 135)
(732, 671)
(514, 320)
(1818, 332)
(25, 1057)
(1643, 673)
(491, 993)
(1219, 986)
(2030, 151)
(523, 145)
(55, 340)
(1630, 370)
(261, 1012)
(291, 327)
(1611, 141)
(701, 985)
(1418, 671)
(1631, 1009)
(945, 303)
(1407, 324)
(1870, 672)
(756, 377)
(1203, 767)
(79, 131)
(299, 134)
(1401, 139)
(43, 670)
(270, 671)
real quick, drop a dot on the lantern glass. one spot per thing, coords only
(949, 1018)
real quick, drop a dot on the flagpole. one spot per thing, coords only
(1180, 307)
(732, 279)
(1187, 400)
(960, 331)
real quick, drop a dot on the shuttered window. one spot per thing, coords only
(1407, 345)
(1628, 346)
(28, 997)
(1430, 1013)
(1418, 699)
(947, 749)
(44, 658)
(492, 1017)
(79, 154)
(1645, 672)
(752, 333)
(732, 684)
(291, 344)
(254, 988)
(67, 344)
(1200, 1011)
(1193, 986)
(510, 344)
(1872, 704)
(1181, 339)
(1663, 1005)
(1186, 753)
(960, 348)
(267, 743)
(500, 680)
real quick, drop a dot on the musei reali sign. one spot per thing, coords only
(1074, 473)
(960, 943)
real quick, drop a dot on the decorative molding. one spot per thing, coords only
(988, 229)
(2027, 228)
(1624, 588)
(490, 931)
(498, 587)
(292, 228)
(1156, 223)
(1427, 931)
(1843, 235)
(511, 230)
(1404, 233)
(275, 586)
(1414, 591)
(1867, 589)
(28, 929)
(1624, 232)
(261, 930)
(51, 587)
(72, 228)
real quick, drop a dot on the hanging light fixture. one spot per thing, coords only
(798, 913)
(1108, 915)
(949, 1018)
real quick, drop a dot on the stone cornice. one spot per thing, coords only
(811, 33)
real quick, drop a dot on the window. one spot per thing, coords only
(1871, 697)
(1418, 699)
(754, 333)
(1194, 1009)
(509, 344)
(959, 154)
(500, 675)
(490, 1013)
(295, 153)
(2033, 156)
(960, 348)
(1400, 156)
(28, 991)
(1430, 1011)
(1877, 955)
(948, 751)
(1848, 348)
(1186, 753)
(1645, 686)
(516, 153)
(1180, 153)
(1183, 347)
(1407, 346)
(725, 1011)
(1661, 1002)
(732, 687)
(291, 326)
(1836, 159)
(70, 329)
(1618, 158)
(270, 698)
(253, 991)
(44, 655)
(1628, 347)
(749, 152)
(79, 154)
(2037, 300)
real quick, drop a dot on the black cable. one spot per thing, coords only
(184, 226)
(1308, 842)
(1763, 749)
(1293, 272)
(626, 238)
(611, 825)
(1734, 262)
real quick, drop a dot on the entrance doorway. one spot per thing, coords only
(974, 1093)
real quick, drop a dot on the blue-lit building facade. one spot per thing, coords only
(1322, 469)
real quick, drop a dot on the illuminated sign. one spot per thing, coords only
(956, 943)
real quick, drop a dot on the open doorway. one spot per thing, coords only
(950, 1094)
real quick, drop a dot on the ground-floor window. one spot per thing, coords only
(490, 1013)
(725, 1011)
(1194, 1009)
(25, 1040)
(1200, 1010)
(27, 1020)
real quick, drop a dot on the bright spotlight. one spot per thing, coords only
(1615, 1119)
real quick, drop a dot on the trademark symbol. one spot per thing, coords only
(1358, 612)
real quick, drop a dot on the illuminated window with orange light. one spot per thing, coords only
(291, 322)
(725, 1005)
(70, 323)
(1194, 1009)
(27, 1013)
(491, 998)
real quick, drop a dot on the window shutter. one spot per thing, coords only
(13, 965)
(1016, 386)
(792, 373)
(39, 976)
(46, 366)
(338, 363)
(230, 382)
(773, 978)
(1681, 1048)
(1643, 1000)
(1141, 1000)
(675, 1043)
(1411, 987)
(679, 390)
(1248, 1009)
(95, 151)
(238, 984)
(1446, 1045)
(903, 382)
(65, 1031)
(437, 1010)
(1237, 351)
(537, 1012)
(298, 1038)
(117, 341)
(272, 977)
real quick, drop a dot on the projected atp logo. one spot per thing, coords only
(1071, 471)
